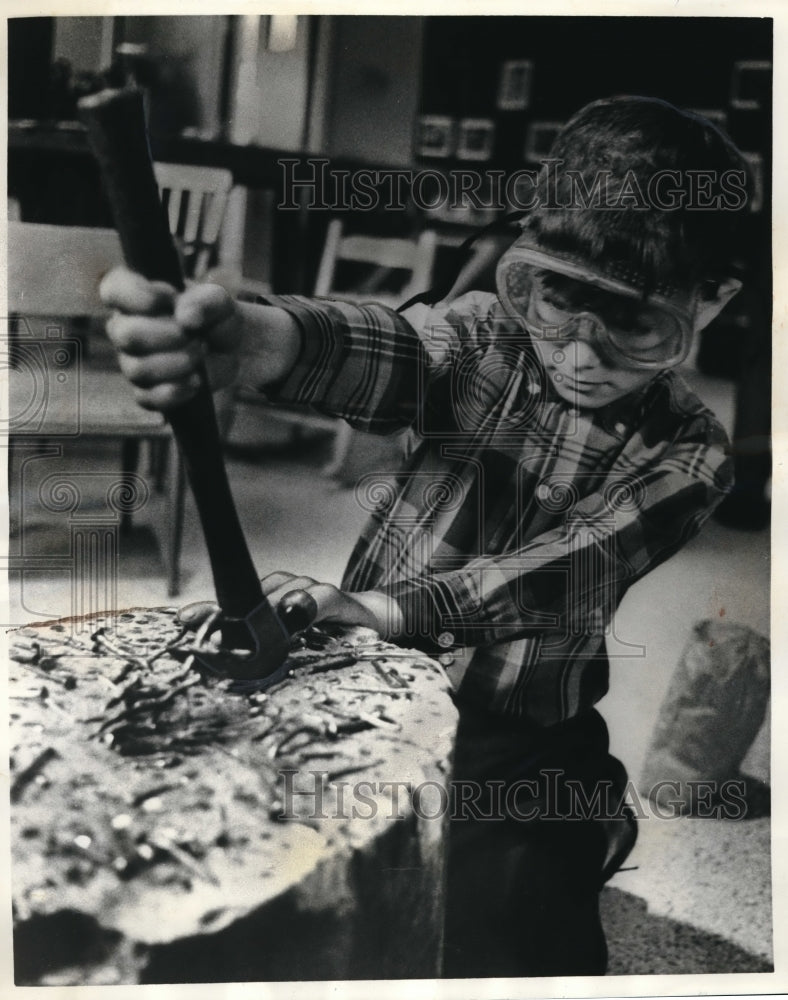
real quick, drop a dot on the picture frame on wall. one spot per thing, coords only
(514, 85)
(475, 138)
(435, 136)
(755, 163)
(750, 84)
(539, 138)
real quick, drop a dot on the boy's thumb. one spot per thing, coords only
(202, 306)
(193, 615)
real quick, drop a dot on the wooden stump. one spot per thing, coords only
(169, 827)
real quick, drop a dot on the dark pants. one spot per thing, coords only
(529, 855)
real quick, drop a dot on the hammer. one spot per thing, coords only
(117, 133)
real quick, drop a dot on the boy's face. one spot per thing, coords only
(597, 338)
(582, 377)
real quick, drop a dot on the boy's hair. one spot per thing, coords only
(676, 228)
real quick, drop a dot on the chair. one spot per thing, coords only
(377, 259)
(414, 257)
(55, 271)
(196, 200)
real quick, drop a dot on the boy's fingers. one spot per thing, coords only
(150, 370)
(291, 583)
(203, 306)
(274, 581)
(193, 615)
(300, 606)
(132, 293)
(298, 609)
(327, 598)
(145, 334)
(320, 600)
(167, 395)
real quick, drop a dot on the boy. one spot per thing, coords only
(558, 457)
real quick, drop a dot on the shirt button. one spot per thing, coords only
(620, 428)
(446, 639)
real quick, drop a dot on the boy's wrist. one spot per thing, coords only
(384, 612)
(270, 344)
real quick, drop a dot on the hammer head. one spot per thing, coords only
(263, 636)
(256, 647)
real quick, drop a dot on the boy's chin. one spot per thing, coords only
(594, 394)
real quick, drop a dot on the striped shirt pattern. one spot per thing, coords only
(517, 522)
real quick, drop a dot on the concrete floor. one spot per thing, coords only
(700, 889)
(697, 897)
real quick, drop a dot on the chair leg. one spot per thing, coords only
(130, 457)
(14, 519)
(177, 496)
(343, 438)
(158, 457)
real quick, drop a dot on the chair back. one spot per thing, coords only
(59, 389)
(57, 270)
(414, 256)
(195, 199)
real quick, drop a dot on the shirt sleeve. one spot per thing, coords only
(367, 363)
(572, 577)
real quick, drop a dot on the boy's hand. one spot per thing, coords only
(161, 336)
(332, 604)
(371, 609)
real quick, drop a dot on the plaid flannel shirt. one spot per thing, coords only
(517, 522)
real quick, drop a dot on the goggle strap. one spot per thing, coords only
(441, 290)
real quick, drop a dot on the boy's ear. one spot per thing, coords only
(707, 309)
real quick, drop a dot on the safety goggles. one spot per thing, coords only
(629, 330)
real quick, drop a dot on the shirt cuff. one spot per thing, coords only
(321, 350)
(441, 615)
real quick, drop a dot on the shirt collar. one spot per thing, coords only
(619, 417)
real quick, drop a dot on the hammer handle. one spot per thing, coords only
(117, 132)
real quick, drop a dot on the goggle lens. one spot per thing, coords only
(631, 332)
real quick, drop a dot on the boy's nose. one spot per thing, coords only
(585, 355)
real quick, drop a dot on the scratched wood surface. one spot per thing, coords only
(171, 825)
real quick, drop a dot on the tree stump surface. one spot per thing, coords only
(169, 825)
